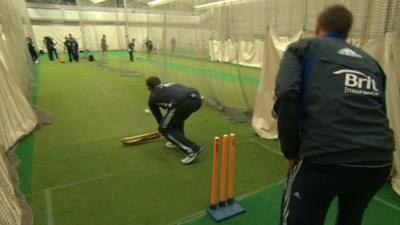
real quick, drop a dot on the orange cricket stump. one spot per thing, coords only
(214, 179)
(224, 159)
(232, 154)
(227, 207)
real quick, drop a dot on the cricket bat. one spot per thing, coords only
(141, 138)
(62, 57)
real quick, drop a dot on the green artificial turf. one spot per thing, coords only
(82, 175)
(25, 147)
(263, 208)
(25, 153)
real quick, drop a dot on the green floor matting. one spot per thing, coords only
(25, 147)
(82, 175)
(263, 209)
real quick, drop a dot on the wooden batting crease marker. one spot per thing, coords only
(226, 206)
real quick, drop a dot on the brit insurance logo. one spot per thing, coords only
(358, 83)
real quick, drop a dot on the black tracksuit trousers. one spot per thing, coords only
(172, 124)
(50, 52)
(70, 55)
(75, 55)
(312, 187)
(131, 56)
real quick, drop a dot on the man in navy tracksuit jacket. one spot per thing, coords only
(32, 50)
(332, 125)
(180, 102)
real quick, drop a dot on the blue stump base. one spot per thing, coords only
(224, 212)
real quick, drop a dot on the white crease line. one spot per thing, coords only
(117, 173)
(85, 181)
(76, 183)
(200, 214)
(261, 189)
(190, 218)
(105, 91)
(395, 207)
(387, 203)
(266, 147)
(49, 207)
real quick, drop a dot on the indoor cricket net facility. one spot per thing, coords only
(139, 112)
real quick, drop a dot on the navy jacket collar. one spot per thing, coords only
(335, 35)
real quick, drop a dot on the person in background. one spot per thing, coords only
(149, 47)
(54, 47)
(68, 47)
(48, 42)
(173, 45)
(180, 102)
(75, 48)
(32, 50)
(332, 124)
(104, 47)
(131, 50)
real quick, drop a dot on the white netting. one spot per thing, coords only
(386, 51)
(17, 117)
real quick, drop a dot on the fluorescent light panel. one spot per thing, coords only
(156, 3)
(98, 1)
(214, 4)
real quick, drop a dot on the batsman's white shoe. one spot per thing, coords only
(169, 144)
(191, 157)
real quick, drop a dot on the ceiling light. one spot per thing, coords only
(214, 4)
(156, 3)
(98, 1)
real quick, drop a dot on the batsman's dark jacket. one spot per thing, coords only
(331, 104)
(168, 96)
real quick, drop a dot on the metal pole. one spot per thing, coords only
(305, 16)
(126, 25)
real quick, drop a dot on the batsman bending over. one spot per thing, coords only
(180, 102)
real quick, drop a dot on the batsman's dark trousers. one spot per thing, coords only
(33, 55)
(55, 53)
(50, 52)
(70, 55)
(311, 188)
(75, 55)
(131, 56)
(172, 124)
